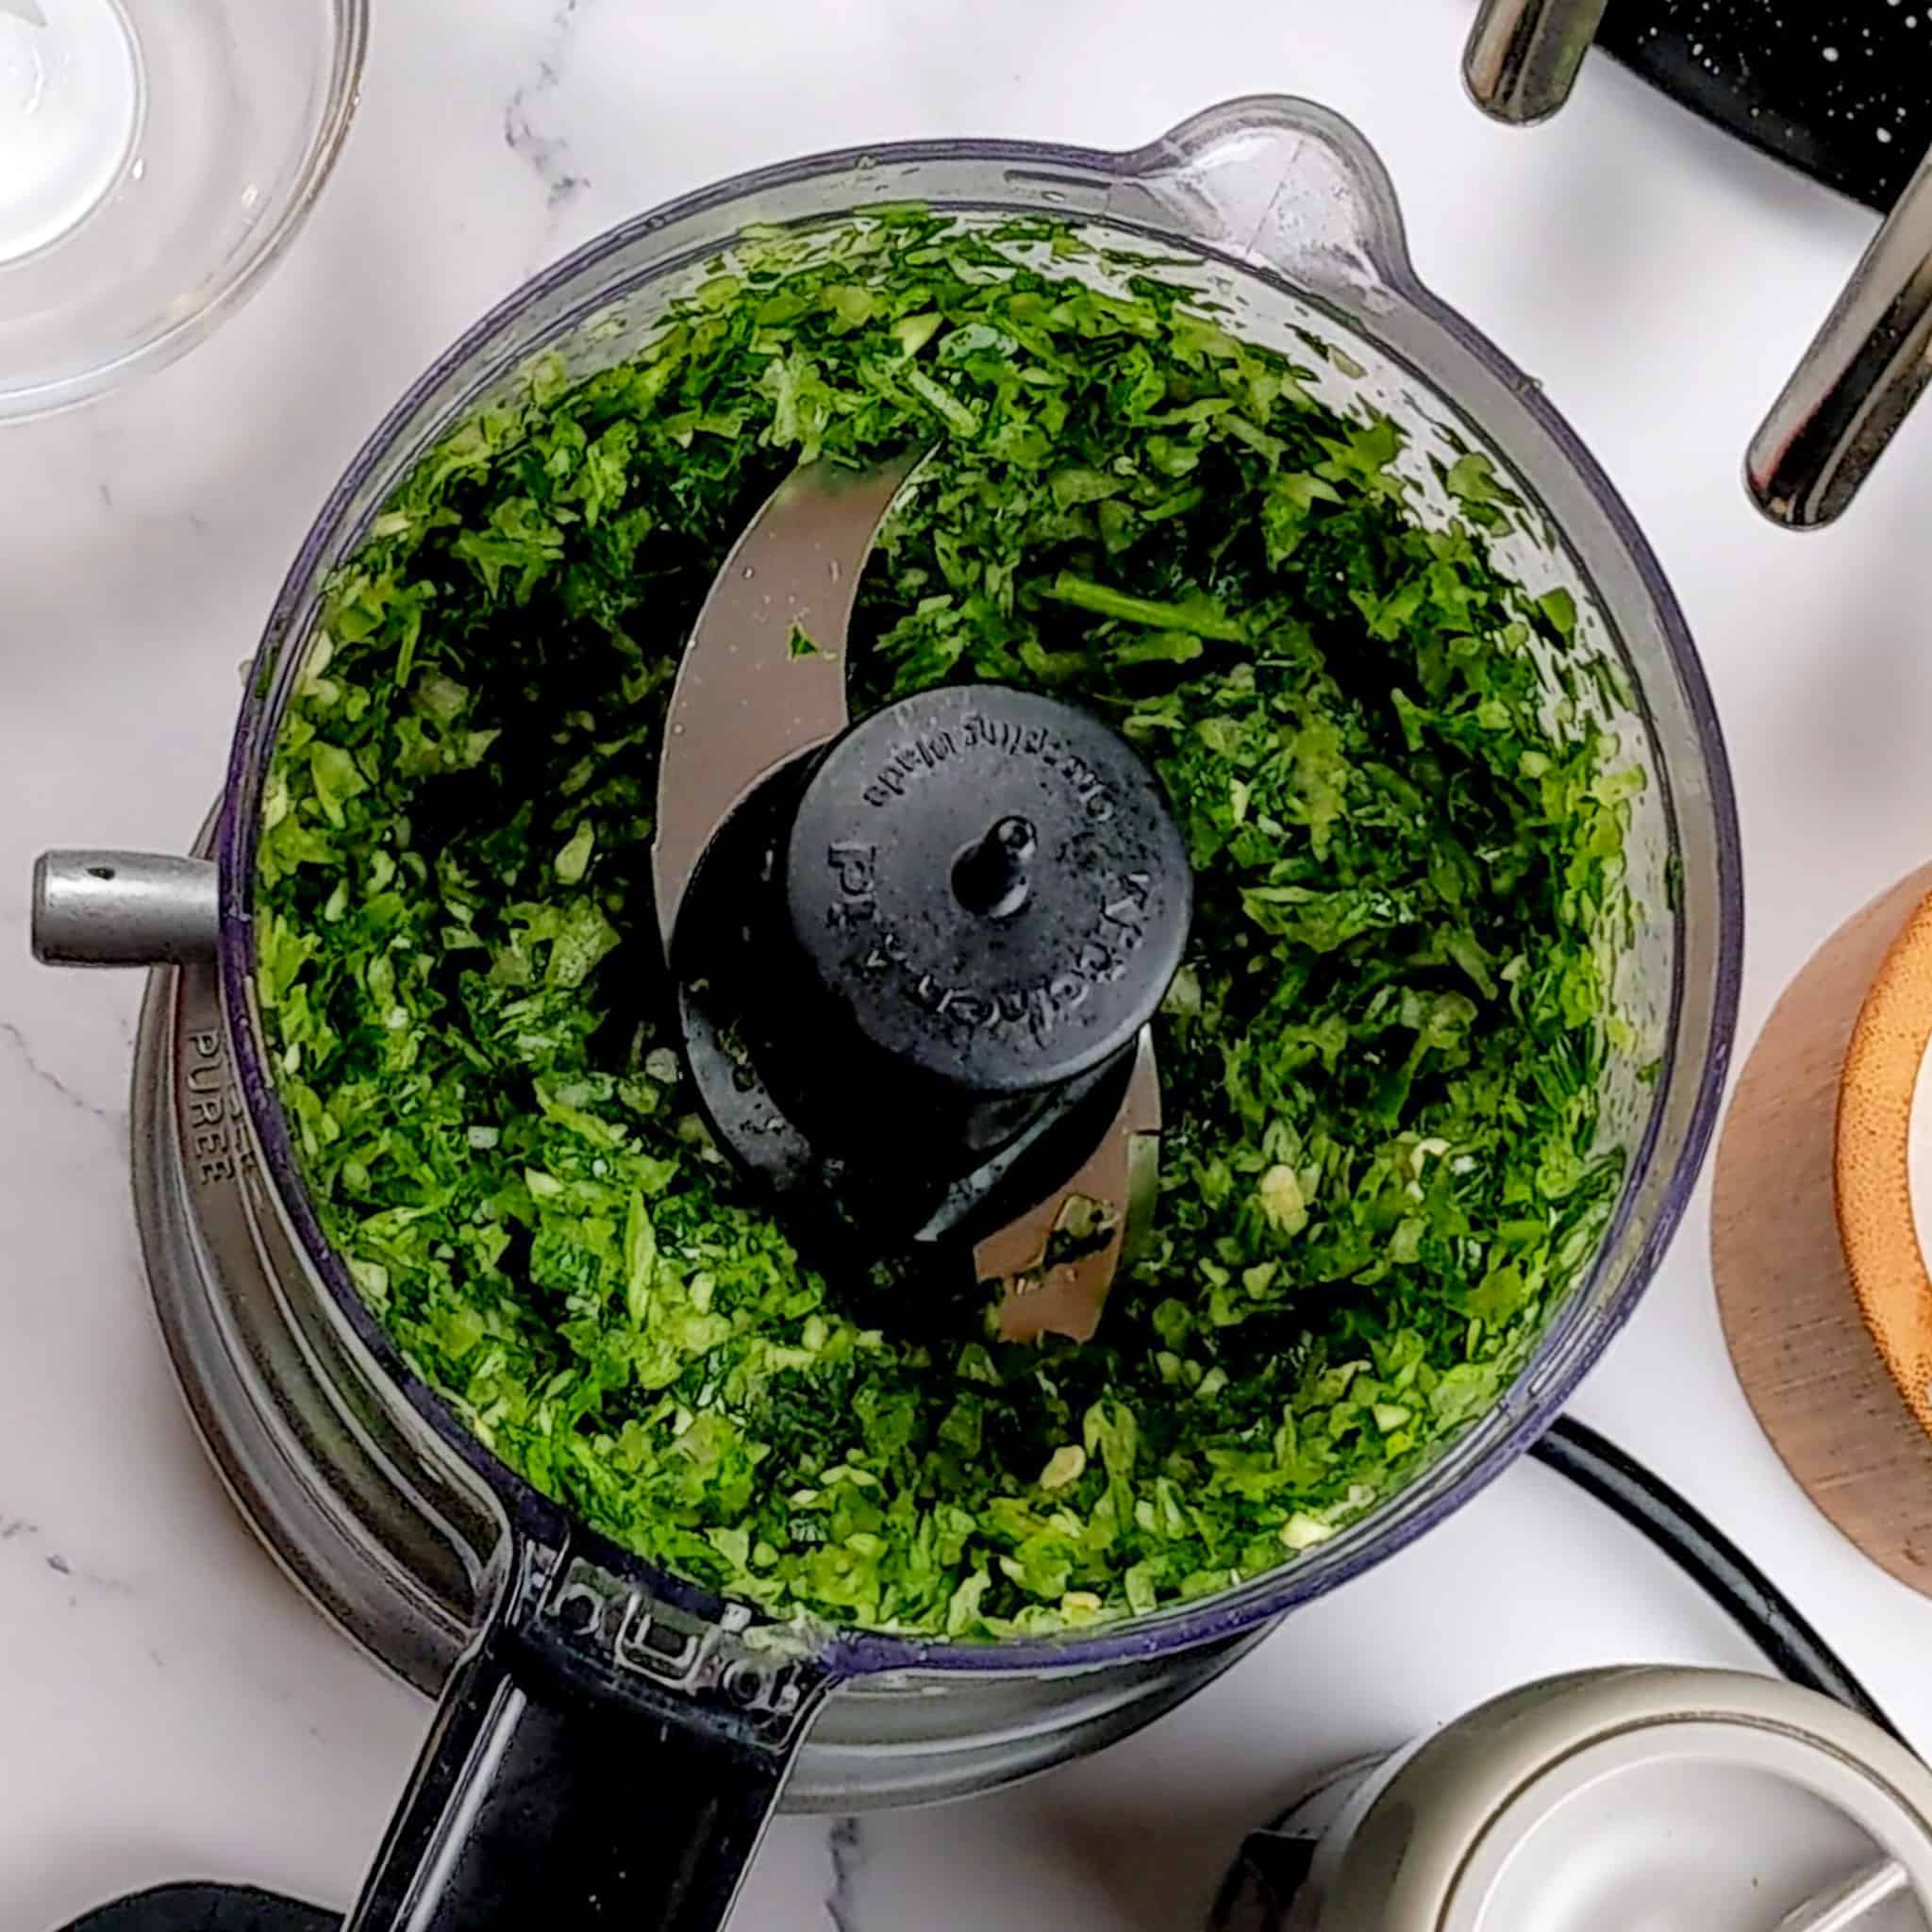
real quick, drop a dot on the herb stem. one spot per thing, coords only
(1202, 616)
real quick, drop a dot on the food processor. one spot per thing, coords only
(610, 1739)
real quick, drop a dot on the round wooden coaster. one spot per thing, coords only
(1819, 1120)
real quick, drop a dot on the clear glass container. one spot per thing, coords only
(155, 158)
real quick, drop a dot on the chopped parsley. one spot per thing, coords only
(1381, 1061)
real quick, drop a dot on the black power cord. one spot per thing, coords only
(1710, 1560)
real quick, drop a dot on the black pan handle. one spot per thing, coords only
(619, 1770)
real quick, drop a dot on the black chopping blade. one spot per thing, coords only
(1840, 90)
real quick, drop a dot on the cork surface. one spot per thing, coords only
(1873, 1174)
(1797, 1330)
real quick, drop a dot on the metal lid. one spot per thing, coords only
(1646, 1801)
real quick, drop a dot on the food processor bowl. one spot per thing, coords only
(155, 158)
(1277, 213)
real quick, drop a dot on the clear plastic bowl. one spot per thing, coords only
(156, 157)
(1278, 212)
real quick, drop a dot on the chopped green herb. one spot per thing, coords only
(1200, 615)
(1381, 1061)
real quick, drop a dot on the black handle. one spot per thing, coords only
(546, 1795)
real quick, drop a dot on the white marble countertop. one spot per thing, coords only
(168, 1706)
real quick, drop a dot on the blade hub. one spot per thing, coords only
(985, 888)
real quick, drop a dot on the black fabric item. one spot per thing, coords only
(208, 1909)
(1841, 90)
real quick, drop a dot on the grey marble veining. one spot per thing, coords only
(529, 112)
(845, 1847)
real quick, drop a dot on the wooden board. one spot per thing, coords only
(1808, 1360)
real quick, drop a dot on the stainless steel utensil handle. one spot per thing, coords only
(1842, 1908)
(1522, 56)
(122, 908)
(1859, 380)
